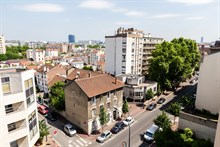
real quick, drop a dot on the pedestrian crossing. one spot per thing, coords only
(79, 142)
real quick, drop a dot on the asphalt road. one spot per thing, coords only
(143, 122)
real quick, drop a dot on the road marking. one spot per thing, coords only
(83, 140)
(70, 145)
(80, 142)
(90, 142)
(76, 145)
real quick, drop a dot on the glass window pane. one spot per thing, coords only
(26, 84)
(30, 82)
(6, 88)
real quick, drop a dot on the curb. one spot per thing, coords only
(56, 142)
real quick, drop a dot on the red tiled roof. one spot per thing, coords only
(82, 74)
(97, 85)
(41, 69)
(57, 78)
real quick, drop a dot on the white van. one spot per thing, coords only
(149, 134)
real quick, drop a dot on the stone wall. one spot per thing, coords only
(201, 127)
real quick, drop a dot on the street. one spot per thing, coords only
(142, 122)
(60, 137)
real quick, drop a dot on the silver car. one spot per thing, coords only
(104, 136)
(69, 130)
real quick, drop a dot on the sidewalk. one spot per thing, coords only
(49, 143)
(135, 110)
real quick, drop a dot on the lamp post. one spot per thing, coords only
(129, 132)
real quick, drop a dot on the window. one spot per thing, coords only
(155, 89)
(14, 144)
(29, 91)
(115, 102)
(6, 85)
(93, 100)
(32, 124)
(108, 105)
(93, 112)
(8, 108)
(11, 127)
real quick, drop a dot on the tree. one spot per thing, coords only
(187, 136)
(57, 100)
(125, 107)
(163, 121)
(44, 130)
(174, 61)
(149, 94)
(103, 117)
(174, 109)
(88, 68)
(3, 57)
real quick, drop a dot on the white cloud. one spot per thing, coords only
(124, 23)
(192, 2)
(169, 15)
(119, 10)
(42, 7)
(134, 13)
(195, 18)
(96, 4)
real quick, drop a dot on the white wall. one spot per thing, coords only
(208, 91)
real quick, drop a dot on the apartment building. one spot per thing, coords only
(51, 53)
(128, 51)
(46, 73)
(85, 96)
(136, 86)
(18, 108)
(149, 44)
(2, 45)
(61, 48)
(37, 55)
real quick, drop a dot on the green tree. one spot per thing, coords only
(88, 68)
(187, 136)
(125, 107)
(163, 121)
(103, 117)
(174, 61)
(174, 109)
(44, 130)
(57, 100)
(149, 94)
(3, 57)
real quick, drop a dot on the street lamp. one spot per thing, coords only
(129, 132)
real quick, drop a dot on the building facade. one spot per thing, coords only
(136, 87)
(128, 51)
(71, 38)
(2, 45)
(18, 108)
(38, 55)
(84, 98)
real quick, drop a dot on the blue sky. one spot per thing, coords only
(53, 20)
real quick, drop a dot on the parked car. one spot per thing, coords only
(118, 127)
(104, 136)
(43, 109)
(69, 130)
(128, 120)
(152, 106)
(161, 100)
(51, 116)
(149, 134)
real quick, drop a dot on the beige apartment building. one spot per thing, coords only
(85, 96)
(18, 108)
(2, 45)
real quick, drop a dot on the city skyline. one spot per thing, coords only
(54, 20)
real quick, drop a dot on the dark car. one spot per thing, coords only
(161, 100)
(152, 106)
(118, 127)
(51, 116)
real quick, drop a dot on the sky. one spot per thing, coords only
(54, 20)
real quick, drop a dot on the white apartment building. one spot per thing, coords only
(125, 51)
(136, 87)
(51, 53)
(2, 45)
(95, 56)
(18, 108)
(37, 55)
(149, 44)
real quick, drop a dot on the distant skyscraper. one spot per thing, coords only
(71, 38)
(2, 45)
(202, 39)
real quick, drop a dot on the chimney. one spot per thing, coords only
(116, 80)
